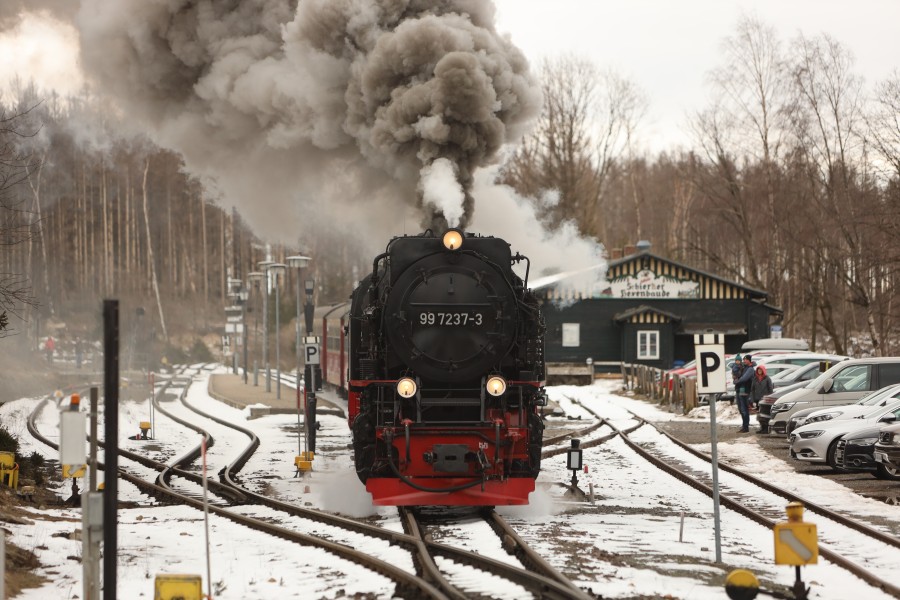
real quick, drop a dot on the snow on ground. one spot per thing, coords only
(646, 534)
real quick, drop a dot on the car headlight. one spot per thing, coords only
(782, 407)
(869, 441)
(811, 434)
(824, 417)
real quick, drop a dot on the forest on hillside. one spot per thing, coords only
(791, 185)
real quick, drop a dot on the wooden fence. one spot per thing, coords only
(679, 393)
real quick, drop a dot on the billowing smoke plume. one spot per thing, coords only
(364, 106)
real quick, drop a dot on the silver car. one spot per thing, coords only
(868, 403)
(817, 442)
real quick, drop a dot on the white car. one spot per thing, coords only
(868, 403)
(817, 442)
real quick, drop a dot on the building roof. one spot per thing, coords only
(627, 278)
(645, 256)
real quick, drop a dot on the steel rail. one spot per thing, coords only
(543, 585)
(424, 559)
(868, 530)
(739, 508)
(527, 555)
(414, 585)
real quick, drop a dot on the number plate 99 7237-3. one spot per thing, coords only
(451, 319)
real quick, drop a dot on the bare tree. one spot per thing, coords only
(744, 135)
(16, 220)
(884, 123)
(830, 128)
(588, 121)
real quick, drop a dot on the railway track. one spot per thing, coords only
(542, 581)
(534, 574)
(407, 584)
(755, 501)
(537, 576)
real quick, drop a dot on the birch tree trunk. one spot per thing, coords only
(35, 182)
(162, 317)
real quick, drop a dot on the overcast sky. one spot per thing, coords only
(668, 47)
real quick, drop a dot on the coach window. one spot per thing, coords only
(571, 335)
(648, 345)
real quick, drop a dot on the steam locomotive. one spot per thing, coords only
(445, 352)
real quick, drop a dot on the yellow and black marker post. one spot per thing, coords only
(796, 543)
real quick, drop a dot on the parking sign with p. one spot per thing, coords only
(709, 351)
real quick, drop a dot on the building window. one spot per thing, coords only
(648, 345)
(571, 333)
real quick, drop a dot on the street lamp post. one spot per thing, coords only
(239, 294)
(298, 262)
(243, 295)
(264, 267)
(277, 269)
(254, 277)
(310, 286)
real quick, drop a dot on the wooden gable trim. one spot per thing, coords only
(712, 287)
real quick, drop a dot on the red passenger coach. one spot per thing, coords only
(333, 319)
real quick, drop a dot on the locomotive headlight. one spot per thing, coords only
(496, 385)
(406, 387)
(453, 239)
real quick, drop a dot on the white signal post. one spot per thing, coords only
(709, 350)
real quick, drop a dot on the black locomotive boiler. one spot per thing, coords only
(446, 373)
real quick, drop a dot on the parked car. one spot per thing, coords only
(844, 383)
(856, 452)
(764, 410)
(865, 404)
(685, 370)
(887, 448)
(774, 344)
(817, 442)
(794, 380)
(773, 370)
(779, 357)
(803, 373)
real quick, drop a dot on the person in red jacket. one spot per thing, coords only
(759, 387)
(49, 347)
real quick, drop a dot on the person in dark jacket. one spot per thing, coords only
(742, 392)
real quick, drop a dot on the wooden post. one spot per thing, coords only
(690, 395)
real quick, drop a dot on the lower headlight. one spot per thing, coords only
(782, 407)
(811, 434)
(495, 385)
(869, 441)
